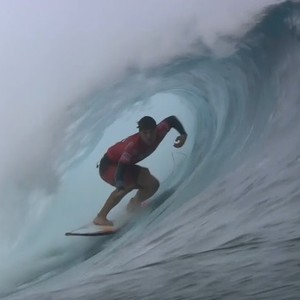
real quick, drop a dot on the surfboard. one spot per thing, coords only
(122, 220)
(93, 230)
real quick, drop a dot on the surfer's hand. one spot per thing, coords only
(180, 140)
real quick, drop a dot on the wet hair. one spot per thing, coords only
(146, 123)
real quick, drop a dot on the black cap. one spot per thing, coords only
(146, 123)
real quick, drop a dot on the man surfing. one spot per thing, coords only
(119, 168)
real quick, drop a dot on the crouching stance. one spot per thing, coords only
(119, 168)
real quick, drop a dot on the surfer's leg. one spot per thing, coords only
(107, 173)
(147, 187)
(114, 198)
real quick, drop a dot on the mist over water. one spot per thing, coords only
(75, 79)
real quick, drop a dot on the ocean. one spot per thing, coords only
(76, 76)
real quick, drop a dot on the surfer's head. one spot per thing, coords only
(147, 129)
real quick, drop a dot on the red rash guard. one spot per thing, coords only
(132, 149)
(122, 157)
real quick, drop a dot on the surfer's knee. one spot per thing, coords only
(147, 180)
(155, 184)
(144, 173)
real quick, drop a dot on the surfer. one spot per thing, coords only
(118, 166)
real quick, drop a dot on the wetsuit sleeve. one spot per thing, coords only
(120, 175)
(175, 123)
(124, 161)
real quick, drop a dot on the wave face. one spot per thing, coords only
(225, 223)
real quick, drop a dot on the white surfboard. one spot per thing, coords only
(121, 220)
(93, 230)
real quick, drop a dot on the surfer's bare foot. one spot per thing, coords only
(102, 221)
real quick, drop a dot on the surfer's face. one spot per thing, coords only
(148, 136)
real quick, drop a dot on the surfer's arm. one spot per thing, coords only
(125, 160)
(176, 124)
(120, 175)
(173, 122)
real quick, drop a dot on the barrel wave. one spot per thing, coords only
(225, 222)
